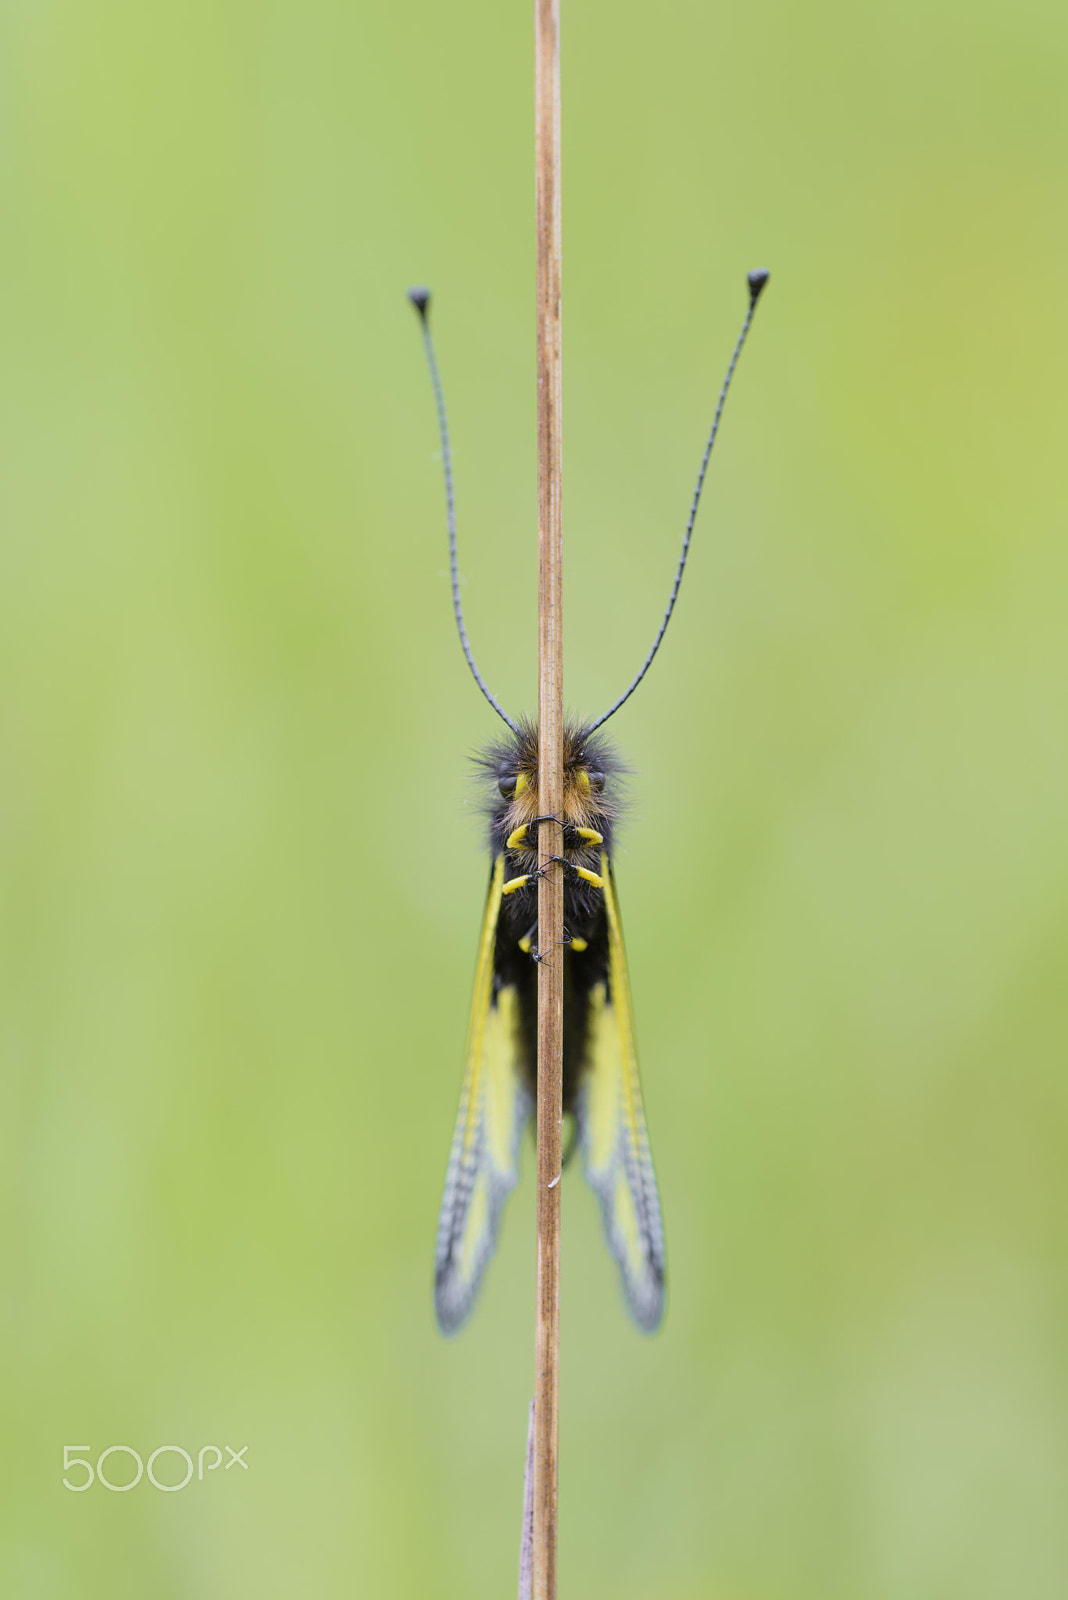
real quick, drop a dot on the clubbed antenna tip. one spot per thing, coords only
(420, 298)
(757, 279)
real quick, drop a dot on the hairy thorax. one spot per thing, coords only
(524, 835)
(588, 808)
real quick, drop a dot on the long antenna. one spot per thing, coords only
(756, 279)
(420, 299)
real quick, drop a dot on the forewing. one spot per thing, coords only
(494, 1107)
(611, 1131)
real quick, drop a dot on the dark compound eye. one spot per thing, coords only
(596, 780)
(506, 784)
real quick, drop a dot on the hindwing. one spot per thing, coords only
(495, 1105)
(611, 1130)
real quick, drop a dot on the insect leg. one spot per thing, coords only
(594, 879)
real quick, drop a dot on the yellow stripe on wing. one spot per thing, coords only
(611, 1128)
(494, 1107)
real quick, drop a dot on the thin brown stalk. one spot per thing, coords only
(550, 795)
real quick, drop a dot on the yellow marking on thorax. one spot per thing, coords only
(580, 808)
(580, 805)
(522, 811)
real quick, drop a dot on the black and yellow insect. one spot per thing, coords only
(601, 1087)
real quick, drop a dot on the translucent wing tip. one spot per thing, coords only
(647, 1298)
(453, 1301)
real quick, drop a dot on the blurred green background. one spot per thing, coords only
(242, 876)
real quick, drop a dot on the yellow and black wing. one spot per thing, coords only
(611, 1131)
(495, 1105)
